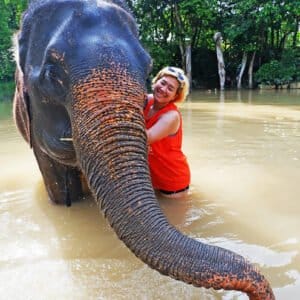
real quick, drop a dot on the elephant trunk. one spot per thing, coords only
(110, 142)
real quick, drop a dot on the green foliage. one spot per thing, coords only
(264, 26)
(270, 73)
(166, 27)
(6, 91)
(291, 61)
(268, 27)
(280, 72)
(10, 13)
(5, 41)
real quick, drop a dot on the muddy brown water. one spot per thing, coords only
(244, 153)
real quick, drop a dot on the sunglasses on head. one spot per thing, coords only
(178, 75)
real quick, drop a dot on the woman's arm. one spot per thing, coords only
(167, 124)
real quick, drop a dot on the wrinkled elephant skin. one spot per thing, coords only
(80, 88)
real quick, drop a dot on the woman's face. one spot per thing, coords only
(165, 89)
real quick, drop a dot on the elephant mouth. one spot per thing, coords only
(59, 146)
(64, 153)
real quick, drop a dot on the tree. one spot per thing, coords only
(10, 13)
(5, 41)
(169, 28)
(243, 34)
(221, 65)
(260, 29)
(280, 72)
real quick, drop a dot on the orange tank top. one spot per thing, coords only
(168, 165)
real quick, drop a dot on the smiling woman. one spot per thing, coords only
(170, 172)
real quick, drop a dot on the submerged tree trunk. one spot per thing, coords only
(221, 65)
(240, 75)
(188, 62)
(184, 46)
(250, 70)
(296, 32)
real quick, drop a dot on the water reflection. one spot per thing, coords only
(244, 156)
(262, 97)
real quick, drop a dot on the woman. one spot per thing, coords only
(170, 172)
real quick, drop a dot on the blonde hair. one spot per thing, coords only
(184, 85)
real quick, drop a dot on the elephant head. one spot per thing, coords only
(80, 88)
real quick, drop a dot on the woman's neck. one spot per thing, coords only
(158, 106)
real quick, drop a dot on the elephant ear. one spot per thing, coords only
(21, 108)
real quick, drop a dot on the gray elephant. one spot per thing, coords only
(80, 89)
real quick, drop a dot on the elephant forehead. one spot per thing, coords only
(69, 20)
(108, 22)
(87, 13)
(80, 31)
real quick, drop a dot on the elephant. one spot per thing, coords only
(80, 89)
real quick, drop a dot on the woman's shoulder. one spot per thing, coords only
(172, 114)
(171, 107)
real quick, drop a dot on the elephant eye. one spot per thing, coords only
(53, 81)
(53, 74)
(49, 73)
